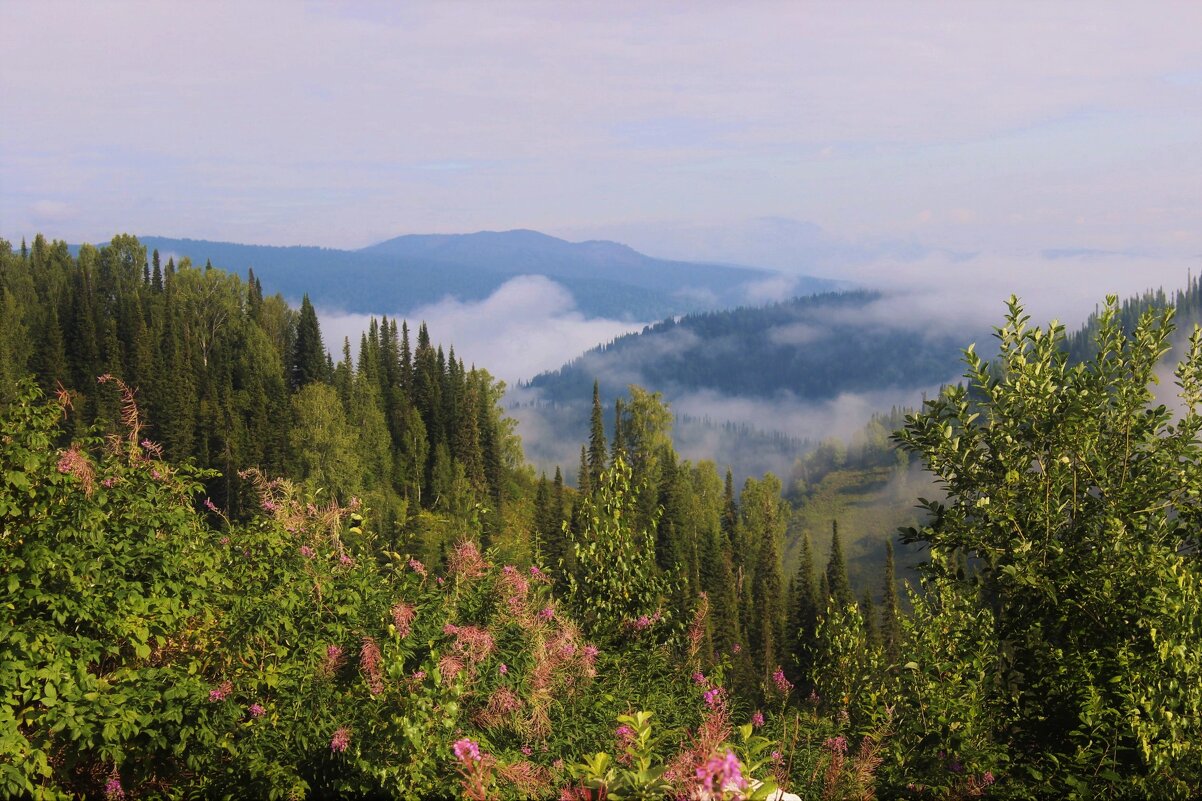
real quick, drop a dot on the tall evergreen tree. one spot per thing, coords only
(309, 355)
(730, 511)
(619, 446)
(838, 585)
(156, 276)
(890, 619)
(596, 440)
(805, 605)
(584, 483)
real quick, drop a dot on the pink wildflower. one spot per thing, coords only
(783, 685)
(642, 623)
(503, 669)
(466, 751)
(721, 772)
(340, 740)
(402, 618)
(449, 666)
(757, 719)
(440, 581)
(113, 791)
(776, 756)
(465, 560)
(212, 507)
(256, 711)
(419, 675)
(332, 661)
(527, 750)
(736, 648)
(987, 778)
(155, 474)
(220, 692)
(109, 482)
(836, 745)
(625, 737)
(417, 567)
(713, 697)
(548, 613)
(699, 678)
(590, 653)
(306, 551)
(473, 642)
(369, 662)
(269, 505)
(345, 560)
(534, 571)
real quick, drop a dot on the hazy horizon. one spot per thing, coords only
(342, 124)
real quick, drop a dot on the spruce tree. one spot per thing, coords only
(805, 605)
(596, 440)
(156, 276)
(557, 500)
(890, 620)
(309, 354)
(584, 481)
(836, 570)
(619, 446)
(730, 513)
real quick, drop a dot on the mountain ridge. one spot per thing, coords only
(605, 278)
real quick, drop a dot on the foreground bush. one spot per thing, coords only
(148, 647)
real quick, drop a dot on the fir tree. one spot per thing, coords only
(596, 440)
(309, 354)
(890, 620)
(838, 586)
(583, 477)
(619, 446)
(156, 275)
(805, 605)
(730, 511)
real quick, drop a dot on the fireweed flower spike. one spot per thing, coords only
(340, 740)
(466, 751)
(113, 791)
(721, 772)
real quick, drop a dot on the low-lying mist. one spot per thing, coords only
(531, 324)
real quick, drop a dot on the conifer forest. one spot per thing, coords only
(234, 566)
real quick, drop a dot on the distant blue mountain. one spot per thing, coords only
(606, 279)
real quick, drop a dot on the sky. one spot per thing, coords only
(971, 127)
(952, 153)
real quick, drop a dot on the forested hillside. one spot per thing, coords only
(814, 347)
(231, 379)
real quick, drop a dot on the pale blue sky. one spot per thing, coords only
(969, 126)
